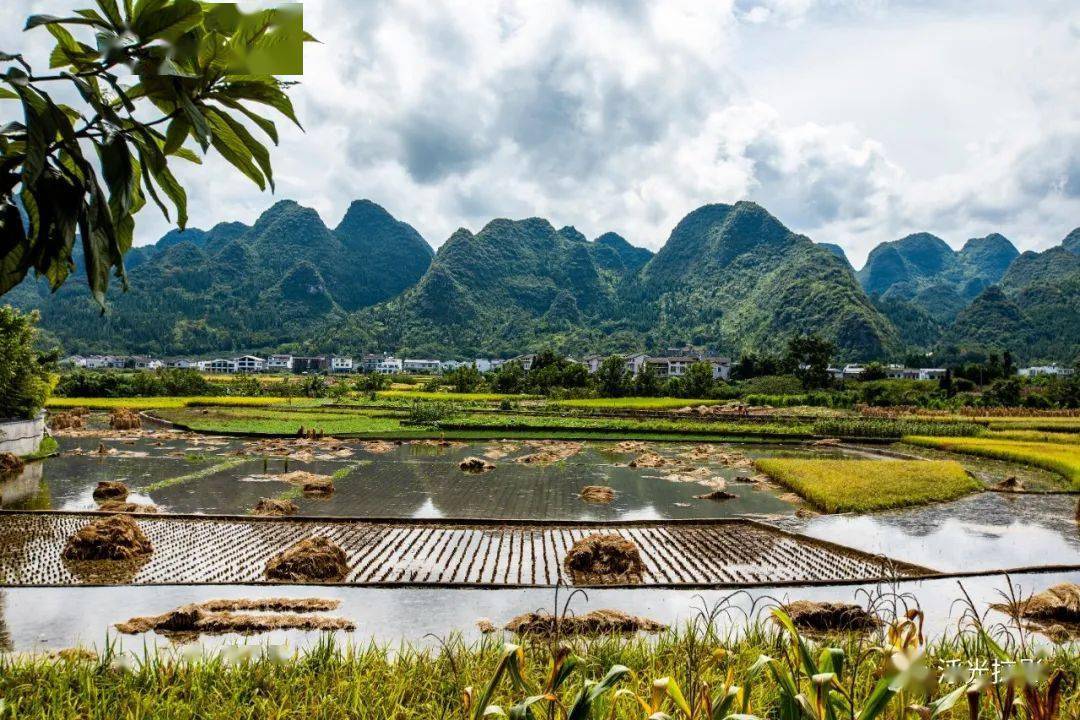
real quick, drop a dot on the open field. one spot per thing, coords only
(636, 403)
(1059, 457)
(282, 420)
(448, 396)
(409, 683)
(1035, 436)
(867, 485)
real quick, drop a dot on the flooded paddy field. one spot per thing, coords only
(44, 619)
(187, 473)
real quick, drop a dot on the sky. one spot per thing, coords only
(852, 121)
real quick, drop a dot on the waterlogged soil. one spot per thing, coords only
(990, 471)
(50, 619)
(413, 479)
(984, 531)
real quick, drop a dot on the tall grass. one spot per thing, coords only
(1062, 458)
(145, 403)
(893, 428)
(866, 485)
(756, 672)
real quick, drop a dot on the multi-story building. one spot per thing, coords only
(420, 367)
(389, 366)
(249, 364)
(279, 363)
(341, 364)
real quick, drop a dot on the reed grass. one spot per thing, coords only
(867, 485)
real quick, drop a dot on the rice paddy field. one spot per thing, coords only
(1060, 457)
(838, 479)
(867, 485)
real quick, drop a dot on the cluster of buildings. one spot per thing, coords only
(674, 364)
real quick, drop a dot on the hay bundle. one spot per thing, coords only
(116, 537)
(597, 622)
(271, 507)
(550, 451)
(310, 484)
(314, 559)
(604, 559)
(1010, 484)
(1060, 603)
(648, 460)
(119, 506)
(597, 494)
(124, 419)
(10, 463)
(475, 465)
(65, 421)
(216, 617)
(830, 617)
(110, 490)
(716, 495)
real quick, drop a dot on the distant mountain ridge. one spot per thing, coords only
(236, 286)
(731, 278)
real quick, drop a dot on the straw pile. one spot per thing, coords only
(475, 465)
(119, 506)
(1060, 603)
(830, 617)
(124, 419)
(110, 490)
(314, 559)
(310, 483)
(271, 507)
(597, 622)
(604, 559)
(215, 617)
(549, 451)
(117, 537)
(10, 463)
(65, 421)
(597, 494)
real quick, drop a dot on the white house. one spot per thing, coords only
(1037, 370)
(341, 364)
(451, 365)
(932, 373)
(420, 367)
(279, 363)
(389, 366)
(249, 364)
(592, 362)
(204, 365)
(635, 363)
(482, 364)
(671, 366)
(223, 366)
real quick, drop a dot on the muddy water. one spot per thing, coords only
(410, 481)
(49, 619)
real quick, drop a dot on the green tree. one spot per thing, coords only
(698, 381)
(647, 382)
(464, 379)
(808, 358)
(612, 379)
(25, 378)
(196, 65)
(874, 371)
(508, 378)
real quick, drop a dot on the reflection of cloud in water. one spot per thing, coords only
(428, 509)
(954, 545)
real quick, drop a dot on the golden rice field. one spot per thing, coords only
(868, 485)
(1062, 458)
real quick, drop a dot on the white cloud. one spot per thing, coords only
(854, 121)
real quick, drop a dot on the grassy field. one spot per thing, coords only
(635, 403)
(1035, 436)
(449, 396)
(1042, 424)
(406, 683)
(867, 485)
(1063, 458)
(495, 421)
(283, 420)
(147, 403)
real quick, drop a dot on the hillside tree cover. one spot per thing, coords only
(197, 69)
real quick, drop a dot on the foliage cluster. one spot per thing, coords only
(26, 378)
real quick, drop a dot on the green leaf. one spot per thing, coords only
(112, 12)
(179, 129)
(7, 95)
(38, 20)
(265, 124)
(582, 707)
(261, 91)
(879, 699)
(257, 149)
(117, 169)
(195, 117)
(13, 244)
(167, 22)
(231, 147)
(68, 50)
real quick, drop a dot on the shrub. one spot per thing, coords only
(774, 385)
(25, 378)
